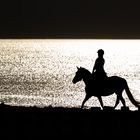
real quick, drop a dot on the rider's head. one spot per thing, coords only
(100, 52)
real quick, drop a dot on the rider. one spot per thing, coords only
(98, 69)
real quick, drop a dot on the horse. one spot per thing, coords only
(111, 85)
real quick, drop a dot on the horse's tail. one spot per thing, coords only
(128, 92)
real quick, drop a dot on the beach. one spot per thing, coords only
(59, 122)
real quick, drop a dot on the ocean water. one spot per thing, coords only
(40, 72)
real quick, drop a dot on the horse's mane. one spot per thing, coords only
(86, 71)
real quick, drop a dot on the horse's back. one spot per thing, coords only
(116, 82)
(116, 78)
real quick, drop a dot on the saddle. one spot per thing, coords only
(99, 79)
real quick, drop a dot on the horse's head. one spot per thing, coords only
(80, 74)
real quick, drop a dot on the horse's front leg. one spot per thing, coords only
(101, 101)
(86, 98)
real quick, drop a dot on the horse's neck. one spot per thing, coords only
(87, 77)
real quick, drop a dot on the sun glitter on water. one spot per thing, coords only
(39, 72)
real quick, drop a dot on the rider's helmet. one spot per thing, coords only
(100, 52)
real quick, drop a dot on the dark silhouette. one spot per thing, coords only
(113, 84)
(98, 69)
(62, 122)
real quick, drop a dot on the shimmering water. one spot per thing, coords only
(40, 72)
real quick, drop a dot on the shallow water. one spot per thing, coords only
(40, 72)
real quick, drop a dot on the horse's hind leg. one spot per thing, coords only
(119, 97)
(117, 102)
(122, 100)
(101, 101)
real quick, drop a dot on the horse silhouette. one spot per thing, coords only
(111, 85)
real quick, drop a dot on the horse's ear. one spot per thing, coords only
(77, 67)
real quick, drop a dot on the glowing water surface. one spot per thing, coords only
(40, 72)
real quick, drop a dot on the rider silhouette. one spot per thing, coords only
(98, 69)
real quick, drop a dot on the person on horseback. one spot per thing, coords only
(98, 69)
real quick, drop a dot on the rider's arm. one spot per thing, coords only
(94, 67)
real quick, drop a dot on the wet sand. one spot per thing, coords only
(59, 122)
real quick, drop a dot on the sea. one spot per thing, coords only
(39, 72)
